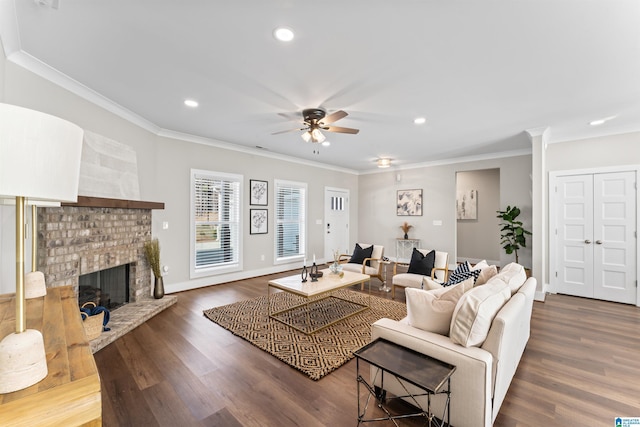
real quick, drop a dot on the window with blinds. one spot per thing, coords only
(290, 220)
(215, 221)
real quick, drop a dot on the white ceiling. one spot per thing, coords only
(480, 72)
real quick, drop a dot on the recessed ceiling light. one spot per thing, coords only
(601, 121)
(283, 34)
(419, 120)
(191, 103)
(326, 144)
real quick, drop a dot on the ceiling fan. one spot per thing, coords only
(315, 120)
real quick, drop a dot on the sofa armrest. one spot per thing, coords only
(507, 340)
(396, 264)
(371, 261)
(470, 383)
(344, 258)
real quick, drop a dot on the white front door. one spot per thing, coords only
(336, 222)
(574, 199)
(614, 237)
(596, 236)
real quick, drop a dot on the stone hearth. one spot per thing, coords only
(129, 317)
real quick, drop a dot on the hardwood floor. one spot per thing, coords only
(581, 367)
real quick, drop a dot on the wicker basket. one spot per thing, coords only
(92, 324)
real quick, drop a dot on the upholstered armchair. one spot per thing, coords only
(365, 259)
(423, 264)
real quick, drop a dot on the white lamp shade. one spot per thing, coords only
(39, 155)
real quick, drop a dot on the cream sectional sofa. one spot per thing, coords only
(483, 372)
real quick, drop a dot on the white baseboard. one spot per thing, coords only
(541, 295)
(224, 278)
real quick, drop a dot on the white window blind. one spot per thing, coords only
(290, 219)
(216, 220)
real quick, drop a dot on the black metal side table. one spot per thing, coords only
(408, 366)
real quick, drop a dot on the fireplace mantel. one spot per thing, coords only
(101, 202)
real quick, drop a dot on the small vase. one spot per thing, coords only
(158, 288)
(406, 236)
(335, 268)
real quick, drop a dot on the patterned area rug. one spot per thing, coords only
(315, 355)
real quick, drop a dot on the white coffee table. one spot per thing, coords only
(313, 292)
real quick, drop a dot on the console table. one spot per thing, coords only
(404, 249)
(424, 372)
(70, 393)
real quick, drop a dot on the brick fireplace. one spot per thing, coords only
(97, 234)
(92, 235)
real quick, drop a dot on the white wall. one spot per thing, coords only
(379, 223)
(164, 175)
(606, 151)
(479, 238)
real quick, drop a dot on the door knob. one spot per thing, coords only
(588, 242)
(599, 242)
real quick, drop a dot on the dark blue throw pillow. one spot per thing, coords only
(360, 254)
(420, 263)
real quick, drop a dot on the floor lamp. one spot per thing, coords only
(39, 160)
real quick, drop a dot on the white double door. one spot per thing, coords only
(595, 222)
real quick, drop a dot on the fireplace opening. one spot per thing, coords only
(108, 288)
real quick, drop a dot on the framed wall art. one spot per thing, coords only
(467, 204)
(409, 203)
(258, 218)
(259, 192)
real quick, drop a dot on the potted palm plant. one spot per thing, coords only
(512, 232)
(152, 254)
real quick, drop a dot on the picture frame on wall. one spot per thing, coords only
(467, 204)
(259, 192)
(259, 221)
(409, 203)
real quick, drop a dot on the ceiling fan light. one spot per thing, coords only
(384, 163)
(317, 136)
(306, 136)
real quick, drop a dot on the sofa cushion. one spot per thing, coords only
(480, 265)
(421, 263)
(408, 280)
(359, 254)
(512, 275)
(429, 284)
(475, 311)
(432, 310)
(486, 274)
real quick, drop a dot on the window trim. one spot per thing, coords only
(214, 270)
(303, 246)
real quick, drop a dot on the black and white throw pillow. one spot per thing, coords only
(462, 273)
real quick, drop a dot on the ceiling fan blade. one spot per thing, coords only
(339, 129)
(294, 117)
(334, 117)
(287, 131)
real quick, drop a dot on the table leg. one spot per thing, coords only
(384, 286)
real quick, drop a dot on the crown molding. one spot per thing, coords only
(249, 150)
(477, 158)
